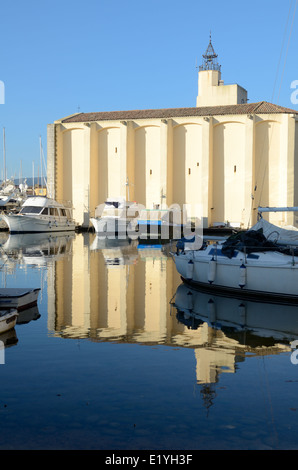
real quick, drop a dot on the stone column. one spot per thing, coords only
(163, 162)
(287, 165)
(94, 199)
(248, 217)
(124, 180)
(207, 172)
(86, 175)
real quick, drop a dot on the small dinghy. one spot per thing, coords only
(8, 319)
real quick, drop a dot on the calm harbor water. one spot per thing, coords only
(120, 355)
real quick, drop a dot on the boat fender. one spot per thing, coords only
(211, 270)
(189, 271)
(242, 276)
(189, 302)
(211, 311)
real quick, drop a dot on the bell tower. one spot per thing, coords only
(212, 91)
(210, 59)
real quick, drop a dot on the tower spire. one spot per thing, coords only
(210, 59)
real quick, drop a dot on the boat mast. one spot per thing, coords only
(4, 162)
(40, 152)
(42, 161)
(33, 179)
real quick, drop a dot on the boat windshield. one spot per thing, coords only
(30, 210)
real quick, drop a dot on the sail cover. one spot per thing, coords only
(288, 236)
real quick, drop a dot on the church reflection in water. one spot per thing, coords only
(123, 291)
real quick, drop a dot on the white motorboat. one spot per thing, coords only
(242, 267)
(8, 319)
(18, 297)
(40, 214)
(113, 217)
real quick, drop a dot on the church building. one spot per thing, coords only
(224, 157)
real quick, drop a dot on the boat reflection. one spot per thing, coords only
(28, 315)
(9, 338)
(37, 248)
(252, 324)
(116, 251)
(228, 331)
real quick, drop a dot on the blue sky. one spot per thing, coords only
(103, 55)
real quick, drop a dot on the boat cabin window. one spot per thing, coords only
(63, 212)
(53, 211)
(45, 211)
(30, 210)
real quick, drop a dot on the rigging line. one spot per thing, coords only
(283, 43)
(287, 48)
(266, 165)
(266, 395)
(274, 433)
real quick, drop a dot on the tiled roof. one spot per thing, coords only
(262, 107)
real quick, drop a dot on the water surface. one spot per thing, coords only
(119, 354)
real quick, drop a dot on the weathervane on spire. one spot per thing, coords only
(210, 59)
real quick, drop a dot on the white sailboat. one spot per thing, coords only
(246, 265)
(287, 235)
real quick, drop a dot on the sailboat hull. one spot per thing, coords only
(269, 276)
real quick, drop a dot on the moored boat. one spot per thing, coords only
(247, 265)
(164, 223)
(40, 214)
(18, 297)
(8, 319)
(113, 217)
